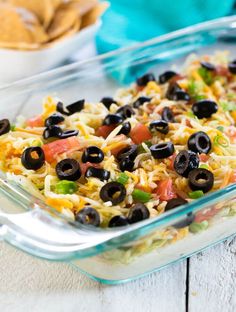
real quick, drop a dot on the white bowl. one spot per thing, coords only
(16, 64)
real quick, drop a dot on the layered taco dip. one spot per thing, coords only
(165, 141)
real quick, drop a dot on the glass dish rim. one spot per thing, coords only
(180, 211)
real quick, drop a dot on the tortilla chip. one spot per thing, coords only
(19, 46)
(63, 21)
(67, 34)
(13, 27)
(19, 27)
(81, 6)
(56, 3)
(43, 9)
(92, 16)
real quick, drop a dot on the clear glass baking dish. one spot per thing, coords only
(113, 255)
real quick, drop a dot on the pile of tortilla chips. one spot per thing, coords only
(35, 24)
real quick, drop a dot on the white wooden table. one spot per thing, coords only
(206, 282)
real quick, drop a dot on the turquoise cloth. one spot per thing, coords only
(130, 21)
(127, 22)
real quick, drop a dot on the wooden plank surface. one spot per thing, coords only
(33, 285)
(212, 276)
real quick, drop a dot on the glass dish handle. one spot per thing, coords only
(40, 231)
(40, 234)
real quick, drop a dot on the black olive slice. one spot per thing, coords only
(126, 127)
(98, 173)
(70, 109)
(126, 164)
(208, 66)
(4, 126)
(232, 67)
(204, 108)
(54, 119)
(186, 161)
(118, 221)
(68, 133)
(52, 132)
(62, 110)
(131, 152)
(125, 111)
(181, 95)
(88, 216)
(175, 202)
(159, 126)
(201, 179)
(163, 78)
(107, 101)
(143, 80)
(93, 154)
(138, 213)
(167, 115)
(140, 101)
(114, 192)
(28, 159)
(199, 142)
(68, 169)
(172, 89)
(162, 150)
(76, 107)
(112, 119)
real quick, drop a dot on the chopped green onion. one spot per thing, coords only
(198, 227)
(193, 88)
(230, 96)
(13, 127)
(206, 75)
(141, 150)
(227, 106)
(196, 194)
(204, 166)
(219, 140)
(66, 187)
(220, 128)
(141, 196)
(199, 97)
(36, 143)
(123, 178)
(148, 143)
(190, 114)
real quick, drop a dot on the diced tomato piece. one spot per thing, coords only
(139, 88)
(233, 177)
(222, 71)
(85, 166)
(51, 150)
(165, 190)
(206, 214)
(188, 123)
(36, 121)
(175, 78)
(140, 133)
(204, 157)
(104, 131)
